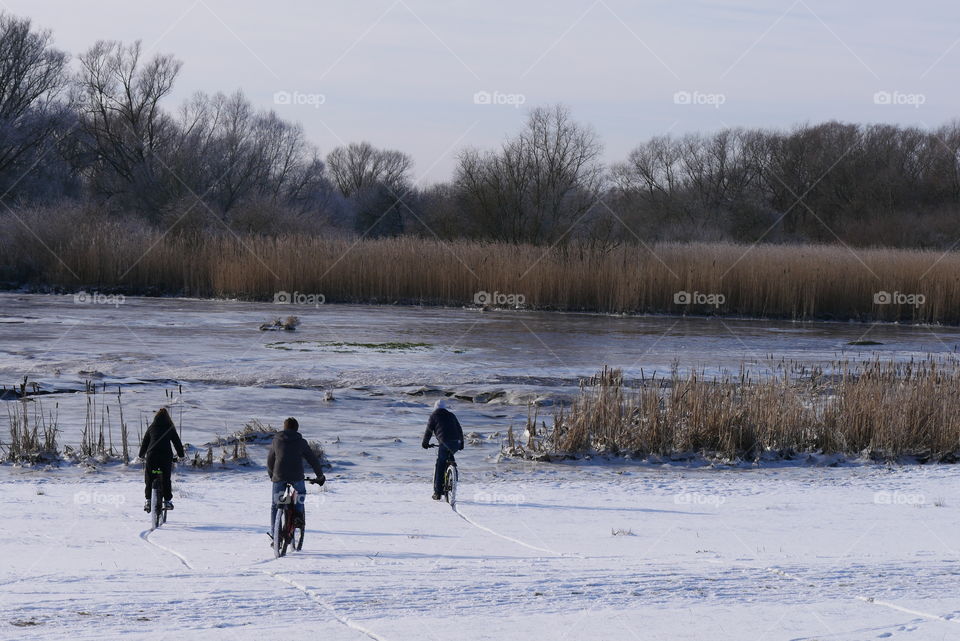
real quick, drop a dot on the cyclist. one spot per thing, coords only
(155, 450)
(444, 425)
(285, 465)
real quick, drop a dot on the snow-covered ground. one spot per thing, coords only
(652, 553)
(599, 550)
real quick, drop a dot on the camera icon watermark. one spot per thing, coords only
(898, 298)
(899, 498)
(86, 497)
(898, 98)
(298, 298)
(499, 98)
(498, 299)
(498, 498)
(296, 98)
(96, 298)
(714, 100)
(696, 498)
(683, 297)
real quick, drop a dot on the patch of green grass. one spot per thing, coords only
(861, 343)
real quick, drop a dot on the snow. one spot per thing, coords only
(832, 553)
(595, 550)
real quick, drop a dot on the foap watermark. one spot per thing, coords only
(297, 98)
(498, 498)
(899, 498)
(696, 498)
(298, 298)
(899, 98)
(96, 298)
(898, 298)
(698, 298)
(86, 497)
(498, 299)
(499, 98)
(699, 98)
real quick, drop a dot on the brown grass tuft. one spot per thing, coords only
(883, 410)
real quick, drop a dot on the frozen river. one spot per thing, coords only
(376, 361)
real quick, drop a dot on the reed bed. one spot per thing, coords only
(776, 281)
(880, 410)
(32, 432)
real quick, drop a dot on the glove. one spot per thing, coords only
(425, 445)
(321, 479)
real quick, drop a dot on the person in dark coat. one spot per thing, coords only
(443, 425)
(156, 449)
(285, 464)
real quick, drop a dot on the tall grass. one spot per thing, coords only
(33, 433)
(883, 410)
(801, 282)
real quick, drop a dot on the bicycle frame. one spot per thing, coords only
(289, 521)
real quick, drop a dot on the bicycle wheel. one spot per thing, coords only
(298, 537)
(155, 505)
(450, 485)
(279, 549)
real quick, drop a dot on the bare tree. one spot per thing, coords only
(32, 80)
(377, 182)
(232, 154)
(129, 134)
(359, 166)
(539, 185)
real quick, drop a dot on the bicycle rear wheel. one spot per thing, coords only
(450, 479)
(279, 549)
(156, 520)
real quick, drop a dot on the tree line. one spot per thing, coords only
(98, 136)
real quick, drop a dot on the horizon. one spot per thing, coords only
(450, 84)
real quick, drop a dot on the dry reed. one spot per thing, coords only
(881, 410)
(800, 282)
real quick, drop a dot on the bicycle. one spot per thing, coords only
(158, 509)
(450, 479)
(289, 523)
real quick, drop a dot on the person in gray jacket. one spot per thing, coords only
(285, 464)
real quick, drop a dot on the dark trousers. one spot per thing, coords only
(165, 468)
(443, 455)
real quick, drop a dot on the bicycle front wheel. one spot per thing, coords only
(298, 538)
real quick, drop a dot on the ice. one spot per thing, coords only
(588, 550)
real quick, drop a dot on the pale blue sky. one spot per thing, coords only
(403, 73)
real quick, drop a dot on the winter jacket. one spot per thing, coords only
(159, 441)
(444, 425)
(284, 462)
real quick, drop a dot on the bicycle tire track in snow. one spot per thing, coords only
(865, 599)
(350, 623)
(513, 540)
(145, 535)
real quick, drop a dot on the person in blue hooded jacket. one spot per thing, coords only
(443, 425)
